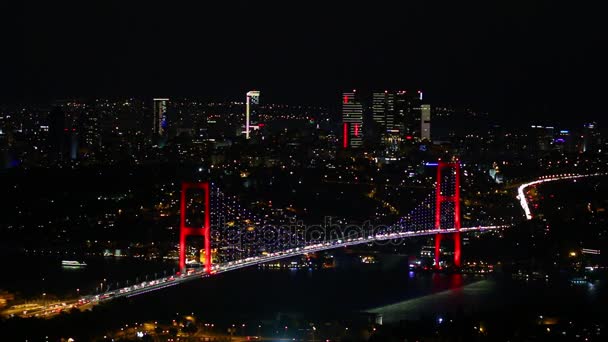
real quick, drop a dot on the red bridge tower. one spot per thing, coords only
(194, 231)
(453, 198)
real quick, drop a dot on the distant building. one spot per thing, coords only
(352, 120)
(564, 141)
(425, 122)
(383, 110)
(160, 123)
(63, 136)
(542, 137)
(399, 115)
(591, 140)
(408, 107)
(92, 130)
(251, 112)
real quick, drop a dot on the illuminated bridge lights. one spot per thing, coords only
(265, 257)
(236, 245)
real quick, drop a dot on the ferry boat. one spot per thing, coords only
(73, 264)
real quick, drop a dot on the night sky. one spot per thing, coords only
(517, 58)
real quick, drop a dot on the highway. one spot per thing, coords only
(521, 190)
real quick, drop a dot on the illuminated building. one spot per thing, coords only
(251, 111)
(63, 135)
(425, 122)
(399, 115)
(92, 130)
(591, 138)
(352, 120)
(564, 141)
(407, 111)
(383, 107)
(160, 116)
(542, 137)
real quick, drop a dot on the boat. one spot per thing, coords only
(73, 264)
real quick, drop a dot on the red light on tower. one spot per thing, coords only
(356, 130)
(345, 138)
(345, 99)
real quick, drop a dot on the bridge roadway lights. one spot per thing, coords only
(185, 231)
(439, 199)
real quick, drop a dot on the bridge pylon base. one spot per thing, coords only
(456, 237)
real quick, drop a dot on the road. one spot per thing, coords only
(521, 190)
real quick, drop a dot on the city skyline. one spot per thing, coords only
(477, 54)
(308, 171)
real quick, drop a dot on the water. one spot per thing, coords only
(388, 289)
(31, 276)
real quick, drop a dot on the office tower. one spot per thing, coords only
(160, 116)
(541, 137)
(398, 114)
(56, 123)
(63, 135)
(92, 129)
(407, 113)
(251, 111)
(352, 120)
(564, 141)
(383, 108)
(591, 140)
(425, 122)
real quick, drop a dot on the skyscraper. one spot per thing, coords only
(63, 134)
(407, 111)
(399, 114)
(591, 140)
(383, 108)
(352, 120)
(160, 116)
(251, 111)
(425, 122)
(57, 134)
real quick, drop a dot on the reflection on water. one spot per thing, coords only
(456, 299)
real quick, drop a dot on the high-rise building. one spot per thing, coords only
(63, 134)
(383, 109)
(591, 140)
(564, 141)
(92, 129)
(407, 108)
(160, 116)
(251, 112)
(399, 114)
(425, 122)
(352, 120)
(541, 137)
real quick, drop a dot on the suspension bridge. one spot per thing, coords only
(233, 237)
